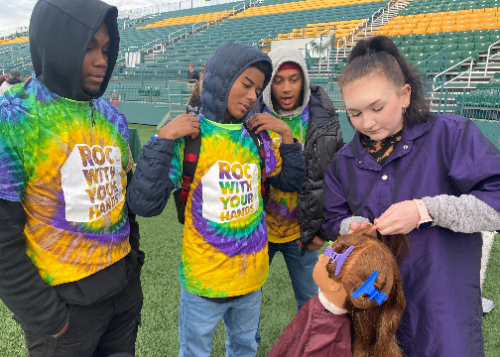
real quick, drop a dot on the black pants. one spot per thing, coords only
(99, 330)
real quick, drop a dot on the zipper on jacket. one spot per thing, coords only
(92, 111)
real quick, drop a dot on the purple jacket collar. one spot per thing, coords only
(356, 150)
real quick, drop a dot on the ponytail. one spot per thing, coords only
(380, 54)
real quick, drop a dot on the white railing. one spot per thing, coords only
(378, 19)
(13, 31)
(490, 57)
(173, 6)
(239, 8)
(325, 43)
(197, 26)
(459, 64)
(172, 38)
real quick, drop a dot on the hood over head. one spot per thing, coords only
(60, 33)
(225, 64)
(279, 56)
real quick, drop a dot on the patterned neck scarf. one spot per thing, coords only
(381, 150)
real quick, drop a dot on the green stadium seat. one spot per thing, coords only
(465, 33)
(481, 32)
(404, 49)
(494, 31)
(494, 38)
(497, 75)
(474, 54)
(407, 43)
(418, 57)
(451, 46)
(417, 49)
(452, 62)
(454, 55)
(482, 38)
(436, 35)
(423, 36)
(466, 39)
(408, 56)
(466, 47)
(432, 49)
(435, 41)
(448, 40)
(398, 38)
(411, 37)
(482, 47)
(450, 34)
(420, 42)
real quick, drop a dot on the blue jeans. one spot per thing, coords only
(299, 267)
(198, 318)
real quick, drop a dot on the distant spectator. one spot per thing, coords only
(15, 78)
(203, 68)
(194, 104)
(192, 74)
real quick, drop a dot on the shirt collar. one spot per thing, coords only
(329, 306)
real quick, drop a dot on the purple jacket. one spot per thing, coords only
(446, 155)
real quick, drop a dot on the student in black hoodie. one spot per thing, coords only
(69, 246)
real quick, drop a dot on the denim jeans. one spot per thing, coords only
(198, 318)
(299, 267)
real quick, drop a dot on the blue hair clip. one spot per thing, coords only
(369, 288)
(338, 258)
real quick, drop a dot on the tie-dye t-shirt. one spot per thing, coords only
(69, 176)
(282, 210)
(224, 248)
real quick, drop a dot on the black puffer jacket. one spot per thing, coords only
(323, 140)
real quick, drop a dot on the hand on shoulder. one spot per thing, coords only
(182, 125)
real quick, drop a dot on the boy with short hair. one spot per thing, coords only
(224, 259)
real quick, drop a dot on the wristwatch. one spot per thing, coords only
(425, 219)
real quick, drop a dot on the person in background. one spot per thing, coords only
(69, 246)
(15, 78)
(2, 79)
(295, 218)
(194, 103)
(433, 177)
(192, 75)
(203, 68)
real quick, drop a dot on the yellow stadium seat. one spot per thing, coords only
(449, 28)
(469, 11)
(434, 29)
(394, 33)
(410, 26)
(405, 31)
(420, 30)
(476, 11)
(492, 25)
(447, 23)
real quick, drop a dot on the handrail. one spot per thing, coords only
(221, 17)
(431, 56)
(488, 58)
(180, 36)
(449, 69)
(206, 22)
(236, 10)
(255, 3)
(167, 7)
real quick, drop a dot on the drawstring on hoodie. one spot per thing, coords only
(92, 111)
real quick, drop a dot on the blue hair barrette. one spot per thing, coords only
(369, 288)
(338, 258)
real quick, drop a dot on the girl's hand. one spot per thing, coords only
(355, 226)
(400, 218)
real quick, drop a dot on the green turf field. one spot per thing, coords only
(161, 240)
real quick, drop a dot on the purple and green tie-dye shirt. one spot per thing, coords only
(70, 177)
(224, 250)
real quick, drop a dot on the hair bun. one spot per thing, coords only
(374, 44)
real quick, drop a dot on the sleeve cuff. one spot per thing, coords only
(346, 223)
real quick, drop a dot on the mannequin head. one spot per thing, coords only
(374, 326)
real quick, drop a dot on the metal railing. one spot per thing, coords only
(236, 9)
(13, 31)
(172, 38)
(489, 57)
(379, 18)
(325, 43)
(195, 28)
(443, 73)
(172, 6)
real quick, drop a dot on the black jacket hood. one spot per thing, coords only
(60, 33)
(225, 64)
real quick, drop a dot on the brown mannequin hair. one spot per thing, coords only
(373, 329)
